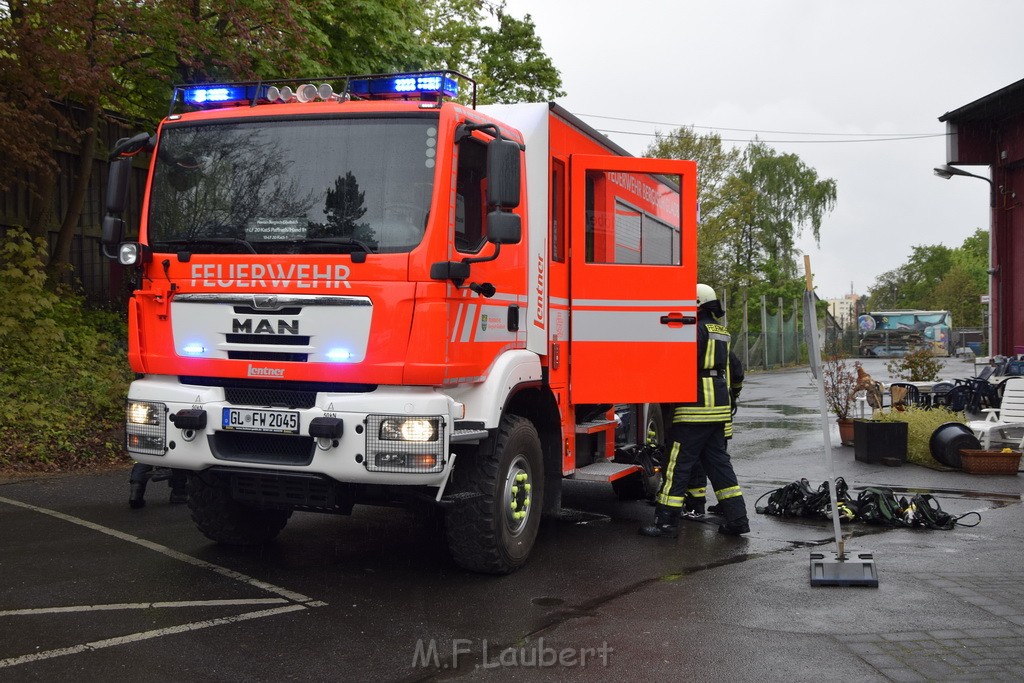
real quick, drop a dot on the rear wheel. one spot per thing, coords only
(494, 532)
(644, 485)
(227, 521)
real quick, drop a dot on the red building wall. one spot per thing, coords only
(990, 131)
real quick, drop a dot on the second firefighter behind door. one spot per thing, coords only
(698, 431)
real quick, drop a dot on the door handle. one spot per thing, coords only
(677, 319)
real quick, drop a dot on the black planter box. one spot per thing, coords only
(880, 442)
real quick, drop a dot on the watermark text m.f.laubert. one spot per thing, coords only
(534, 654)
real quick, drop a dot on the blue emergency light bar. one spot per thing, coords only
(222, 95)
(432, 86)
(404, 86)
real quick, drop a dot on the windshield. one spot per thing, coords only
(299, 186)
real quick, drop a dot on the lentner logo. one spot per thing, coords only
(264, 372)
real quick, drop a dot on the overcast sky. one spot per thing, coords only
(831, 70)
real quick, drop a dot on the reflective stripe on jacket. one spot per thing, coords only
(713, 402)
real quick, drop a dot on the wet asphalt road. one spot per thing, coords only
(90, 590)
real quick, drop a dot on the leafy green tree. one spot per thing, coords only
(373, 36)
(102, 55)
(513, 65)
(715, 166)
(753, 204)
(787, 196)
(105, 54)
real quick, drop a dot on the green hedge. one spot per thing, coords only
(63, 372)
(921, 424)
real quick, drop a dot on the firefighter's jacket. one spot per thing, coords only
(715, 383)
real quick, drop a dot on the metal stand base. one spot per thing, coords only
(856, 569)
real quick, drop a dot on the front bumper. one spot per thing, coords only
(357, 455)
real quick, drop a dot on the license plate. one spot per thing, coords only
(248, 420)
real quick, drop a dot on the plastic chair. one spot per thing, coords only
(1005, 424)
(904, 395)
(940, 395)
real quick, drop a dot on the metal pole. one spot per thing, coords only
(782, 334)
(746, 330)
(764, 329)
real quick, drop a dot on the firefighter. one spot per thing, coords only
(693, 504)
(698, 432)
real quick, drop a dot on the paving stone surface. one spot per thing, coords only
(981, 654)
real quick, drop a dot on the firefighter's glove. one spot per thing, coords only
(735, 393)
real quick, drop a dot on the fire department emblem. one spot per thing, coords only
(483, 322)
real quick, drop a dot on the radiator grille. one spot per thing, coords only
(268, 356)
(267, 449)
(268, 339)
(288, 491)
(275, 393)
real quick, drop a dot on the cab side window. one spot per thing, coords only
(470, 199)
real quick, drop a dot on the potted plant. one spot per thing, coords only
(840, 383)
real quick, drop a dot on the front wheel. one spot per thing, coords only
(227, 521)
(494, 532)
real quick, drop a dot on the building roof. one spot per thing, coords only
(996, 105)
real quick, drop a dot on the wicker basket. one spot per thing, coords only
(989, 462)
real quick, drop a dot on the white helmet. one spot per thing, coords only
(705, 294)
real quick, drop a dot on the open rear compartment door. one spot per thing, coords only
(633, 237)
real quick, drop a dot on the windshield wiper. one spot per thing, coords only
(350, 241)
(209, 240)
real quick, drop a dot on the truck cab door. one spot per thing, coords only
(633, 257)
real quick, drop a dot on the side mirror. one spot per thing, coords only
(117, 185)
(110, 237)
(503, 173)
(504, 228)
(113, 232)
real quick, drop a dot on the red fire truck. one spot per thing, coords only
(365, 290)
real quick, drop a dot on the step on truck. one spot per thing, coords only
(369, 290)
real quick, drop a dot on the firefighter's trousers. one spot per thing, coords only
(704, 443)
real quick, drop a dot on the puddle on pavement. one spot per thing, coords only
(548, 602)
(788, 426)
(790, 410)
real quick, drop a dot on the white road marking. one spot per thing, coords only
(286, 596)
(138, 605)
(145, 635)
(164, 550)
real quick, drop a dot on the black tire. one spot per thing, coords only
(645, 485)
(495, 532)
(227, 521)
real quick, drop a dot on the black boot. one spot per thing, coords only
(179, 487)
(666, 523)
(735, 512)
(139, 477)
(693, 507)
(736, 527)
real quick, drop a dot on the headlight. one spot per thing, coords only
(128, 253)
(140, 413)
(408, 429)
(146, 428)
(405, 443)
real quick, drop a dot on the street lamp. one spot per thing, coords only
(946, 171)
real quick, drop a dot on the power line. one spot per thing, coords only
(898, 136)
(827, 142)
